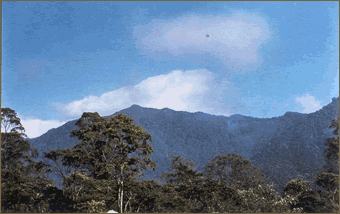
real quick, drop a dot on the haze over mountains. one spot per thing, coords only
(284, 147)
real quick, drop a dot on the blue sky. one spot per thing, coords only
(260, 59)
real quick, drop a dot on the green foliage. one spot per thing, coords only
(307, 199)
(109, 144)
(142, 196)
(109, 151)
(263, 199)
(192, 191)
(80, 188)
(180, 171)
(9, 118)
(57, 201)
(332, 149)
(92, 206)
(311, 202)
(100, 173)
(220, 197)
(295, 187)
(328, 180)
(234, 170)
(22, 178)
(182, 185)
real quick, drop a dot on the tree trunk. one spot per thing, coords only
(121, 193)
(121, 200)
(120, 196)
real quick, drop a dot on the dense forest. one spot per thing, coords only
(102, 172)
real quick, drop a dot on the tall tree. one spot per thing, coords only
(180, 171)
(187, 190)
(185, 184)
(23, 179)
(235, 171)
(114, 150)
(263, 199)
(329, 179)
(142, 196)
(9, 118)
(332, 149)
(304, 198)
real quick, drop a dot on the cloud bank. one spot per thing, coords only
(192, 91)
(235, 40)
(308, 103)
(36, 127)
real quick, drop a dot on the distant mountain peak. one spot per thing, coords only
(291, 113)
(335, 100)
(135, 105)
(237, 116)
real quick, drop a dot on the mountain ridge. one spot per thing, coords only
(198, 112)
(200, 136)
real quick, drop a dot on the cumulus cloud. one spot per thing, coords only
(235, 39)
(192, 91)
(309, 104)
(35, 127)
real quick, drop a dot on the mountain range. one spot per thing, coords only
(284, 147)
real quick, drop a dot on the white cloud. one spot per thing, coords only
(192, 91)
(235, 39)
(35, 127)
(308, 103)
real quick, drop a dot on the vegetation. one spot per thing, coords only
(102, 173)
(23, 180)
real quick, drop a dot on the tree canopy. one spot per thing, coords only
(23, 179)
(115, 149)
(101, 172)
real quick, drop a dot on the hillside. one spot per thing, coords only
(292, 143)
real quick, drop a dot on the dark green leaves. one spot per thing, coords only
(22, 178)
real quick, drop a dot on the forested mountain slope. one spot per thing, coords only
(282, 147)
